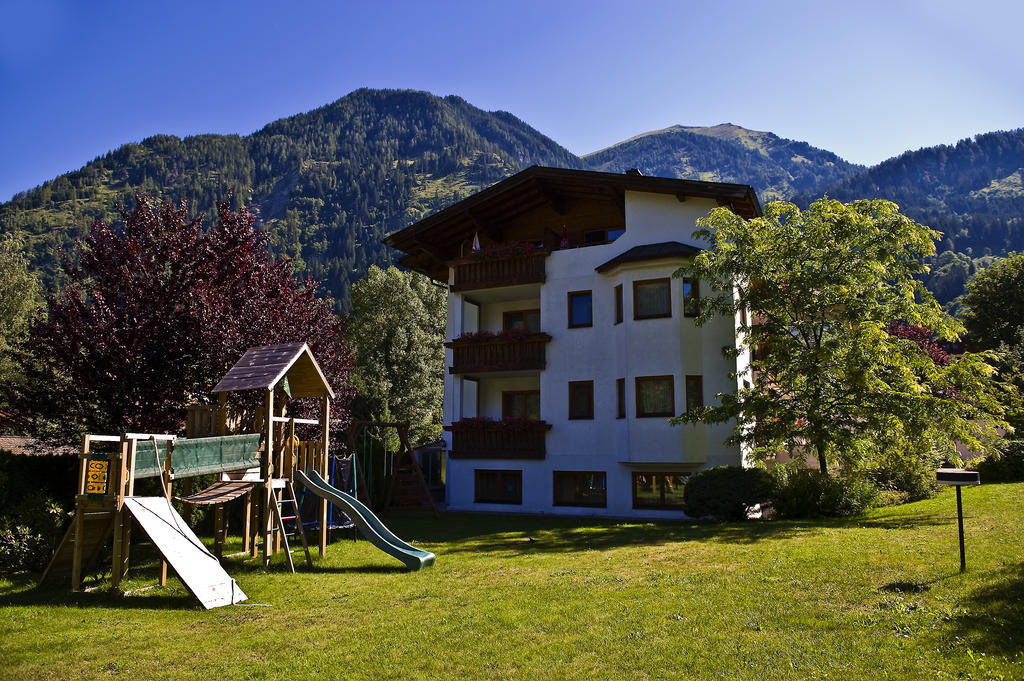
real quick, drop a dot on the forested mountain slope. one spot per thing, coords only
(972, 192)
(327, 185)
(776, 167)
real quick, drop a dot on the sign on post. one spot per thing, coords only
(959, 477)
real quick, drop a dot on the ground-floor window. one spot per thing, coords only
(498, 487)
(658, 490)
(580, 488)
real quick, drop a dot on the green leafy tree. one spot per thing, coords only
(398, 327)
(815, 295)
(993, 309)
(19, 298)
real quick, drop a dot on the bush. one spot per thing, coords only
(29, 536)
(903, 479)
(1006, 466)
(812, 494)
(727, 492)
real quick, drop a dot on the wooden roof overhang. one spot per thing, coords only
(430, 243)
(263, 368)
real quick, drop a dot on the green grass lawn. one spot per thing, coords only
(877, 597)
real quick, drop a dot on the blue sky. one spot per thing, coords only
(864, 79)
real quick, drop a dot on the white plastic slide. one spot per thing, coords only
(198, 569)
(369, 524)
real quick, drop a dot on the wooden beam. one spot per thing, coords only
(681, 197)
(325, 439)
(267, 473)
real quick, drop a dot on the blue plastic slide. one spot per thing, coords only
(369, 524)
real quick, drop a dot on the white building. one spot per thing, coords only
(602, 349)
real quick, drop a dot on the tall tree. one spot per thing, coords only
(993, 308)
(19, 297)
(814, 294)
(398, 327)
(156, 310)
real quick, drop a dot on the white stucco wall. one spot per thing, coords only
(603, 353)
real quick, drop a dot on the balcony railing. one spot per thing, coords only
(472, 274)
(527, 353)
(473, 442)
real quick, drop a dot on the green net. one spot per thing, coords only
(199, 456)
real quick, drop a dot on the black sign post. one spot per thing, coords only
(959, 477)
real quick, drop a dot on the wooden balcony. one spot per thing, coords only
(474, 442)
(527, 353)
(473, 274)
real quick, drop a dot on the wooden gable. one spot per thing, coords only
(263, 368)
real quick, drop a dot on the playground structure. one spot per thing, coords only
(261, 467)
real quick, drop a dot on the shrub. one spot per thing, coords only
(1006, 466)
(903, 479)
(727, 492)
(812, 494)
(29, 536)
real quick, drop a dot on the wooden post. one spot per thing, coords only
(325, 438)
(267, 472)
(120, 555)
(247, 521)
(166, 475)
(219, 530)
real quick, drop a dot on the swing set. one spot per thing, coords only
(408, 488)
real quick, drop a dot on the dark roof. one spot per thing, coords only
(426, 242)
(264, 367)
(667, 249)
(22, 445)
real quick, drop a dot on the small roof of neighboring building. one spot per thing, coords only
(430, 242)
(23, 445)
(666, 249)
(264, 367)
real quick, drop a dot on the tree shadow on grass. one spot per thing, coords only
(994, 619)
(59, 595)
(471, 533)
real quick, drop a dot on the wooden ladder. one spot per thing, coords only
(280, 500)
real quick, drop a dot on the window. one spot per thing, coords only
(652, 298)
(580, 488)
(691, 297)
(620, 398)
(655, 396)
(524, 320)
(658, 490)
(580, 312)
(595, 237)
(618, 304)
(498, 487)
(520, 403)
(694, 392)
(581, 399)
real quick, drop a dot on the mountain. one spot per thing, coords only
(971, 191)
(776, 167)
(326, 185)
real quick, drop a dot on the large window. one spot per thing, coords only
(655, 396)
(524, 320)
(580, 309)
(520, 403)
(581, 399)
(694, 392)
(620, 398)
(618, 304)
(691, 297)
(580, 488)
(652, 298)
(658, 490)
(498, 487)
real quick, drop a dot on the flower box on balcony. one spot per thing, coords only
(483, 438)
(503, 266)
(506, 351)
